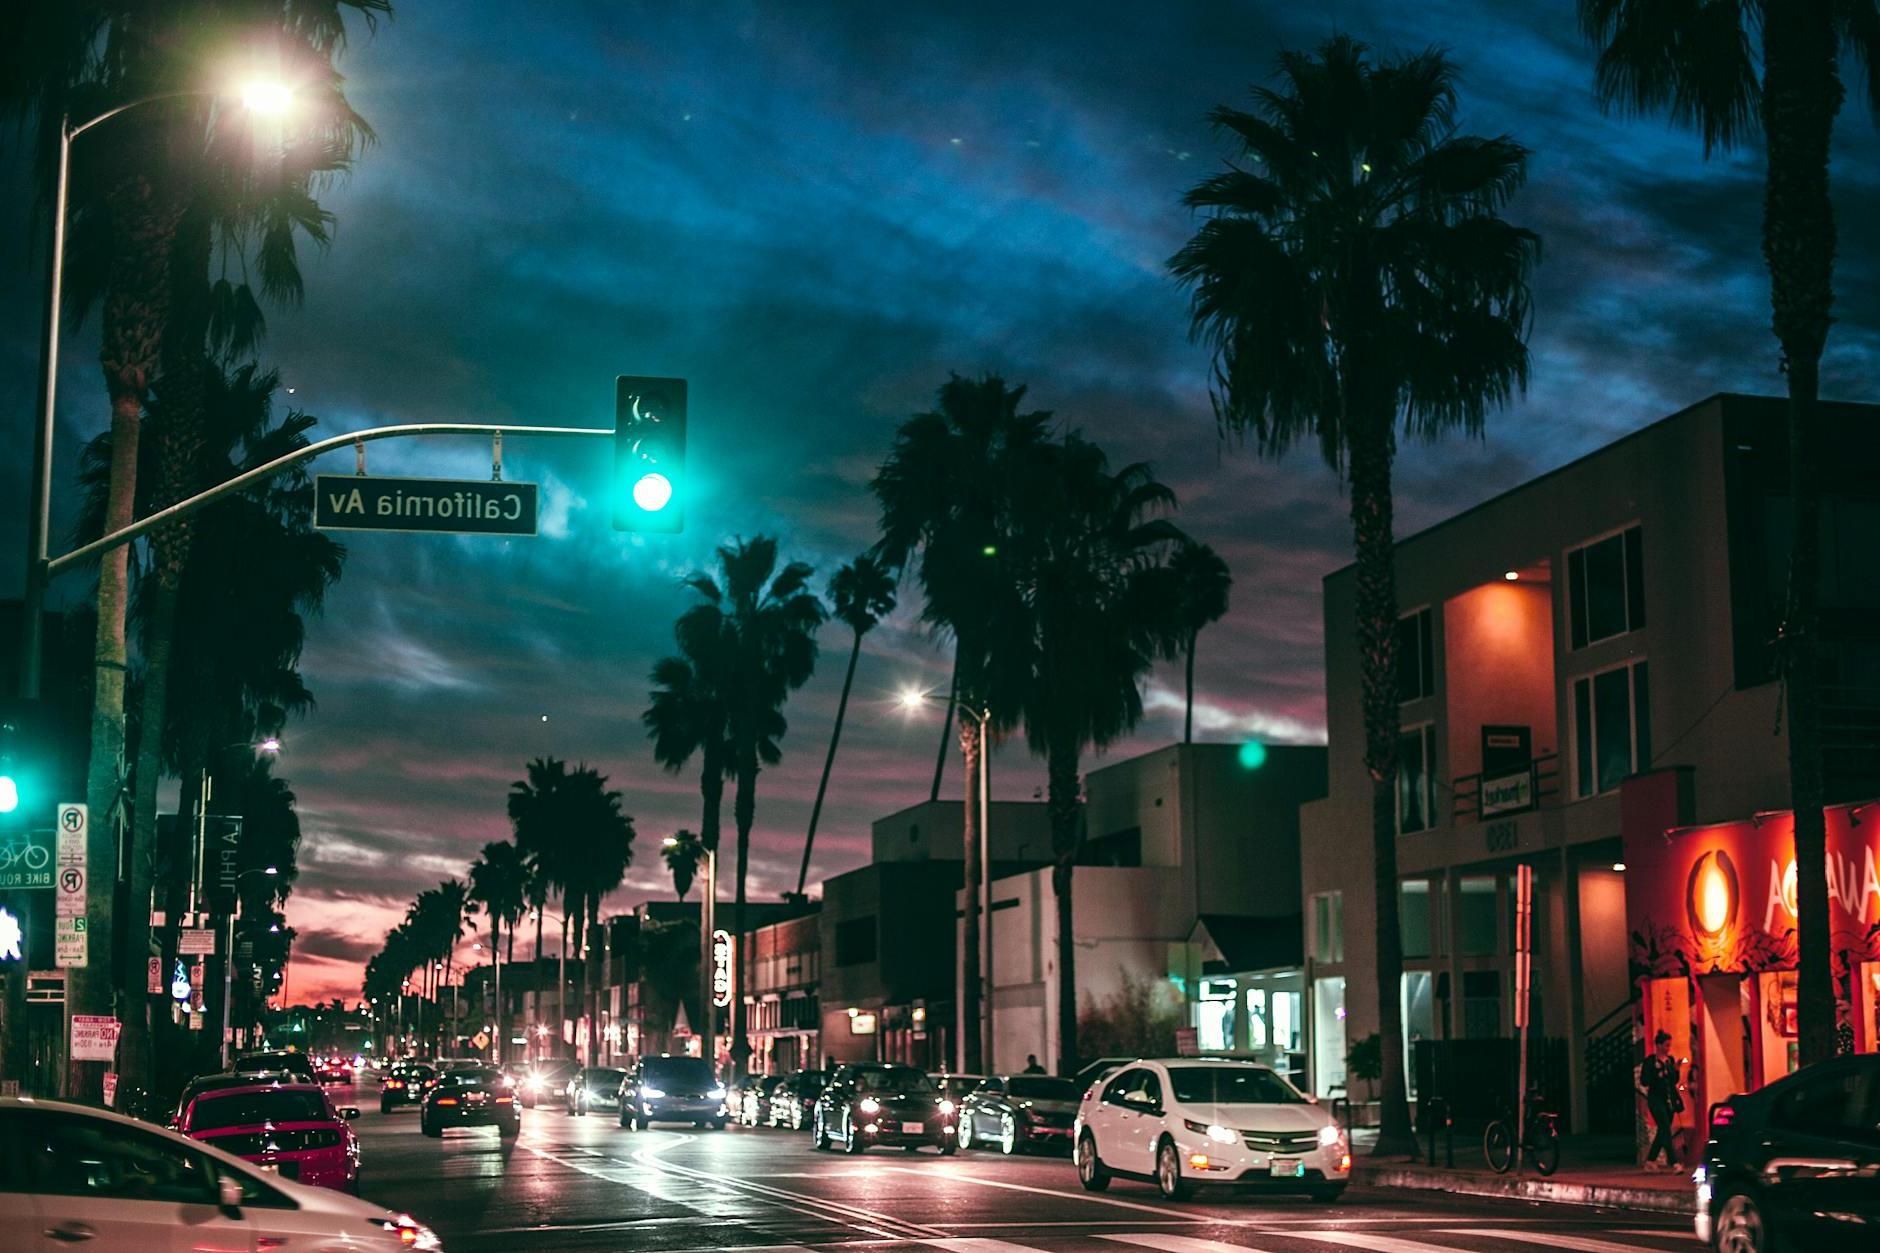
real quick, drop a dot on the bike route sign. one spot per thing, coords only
(26, 861)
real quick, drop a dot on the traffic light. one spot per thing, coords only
(649, 453)
(17, 784)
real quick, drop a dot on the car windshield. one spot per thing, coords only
(296, 1063)
(676, 1071)
(418, 1074)
(245, 1109)
(1041, 1088)
(904, 1080)
(1231, 1085)
(600, 1077)
(473, 1079)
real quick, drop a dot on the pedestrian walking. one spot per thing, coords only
(1031, 1065)
(1656, 1079)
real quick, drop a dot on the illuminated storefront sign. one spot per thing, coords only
(722, 950)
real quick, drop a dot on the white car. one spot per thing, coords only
(1187, 1121)
(73, 1175)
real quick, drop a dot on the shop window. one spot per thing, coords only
(1287, 1022)
(1606, 587)
(1611, 727)
(1481, 1004)
(1413, 917)
(1419, 1017)
(1328, 1035)
(1416, 656)
(1477, 934)
(1416, 779)
(1256, 1018)
(1328, 926)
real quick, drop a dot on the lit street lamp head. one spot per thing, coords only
(270, 745)
(913, 698)
(266, 97)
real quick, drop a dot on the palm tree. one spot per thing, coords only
(602, 839)
(947, 492)
(862, 594)
(499, 881)
(687, 718)
(761, 622)
(1088, 561)
(683, 856)
(1354, 275)
(1701, 63)
(1201, 582)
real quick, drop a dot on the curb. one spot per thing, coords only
(1605, 1196)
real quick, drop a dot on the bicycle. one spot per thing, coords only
(32, 856)
(1540, 1145)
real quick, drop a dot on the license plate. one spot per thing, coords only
(1286, 1168)
(913, 1128)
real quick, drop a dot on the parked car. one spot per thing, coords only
(793, 1104)
(954, 1087)
(545, 1078)
(1186, 1121)
(210, 1083)
(1096, 1070)
(471, 1098)
(753, 1099)
(883, 1103)
(292, 1129)
(405, 1084)
(1015, 1112)
(277, 1062)
(673, 1089)
(1795, 1164)
(596, 1087)
(115, 1185)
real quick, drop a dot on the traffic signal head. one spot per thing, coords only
(15, 749)
(649, 453)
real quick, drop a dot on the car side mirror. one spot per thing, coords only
(228, 1194)
(349, 1112)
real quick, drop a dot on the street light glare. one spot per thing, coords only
(913, 698)
(266, 97)
(270, 745)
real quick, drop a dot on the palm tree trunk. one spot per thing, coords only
(711, 786)
(1802, 92)
(134, 1059)
(835, 738)
(1188, 723)
(1062, 804)
(1377, 653)
(946, 727)
(972, 850)
(744, 808)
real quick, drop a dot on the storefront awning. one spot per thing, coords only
(1237, 943)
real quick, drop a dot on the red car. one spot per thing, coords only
(335, 1070)
(292, 1128)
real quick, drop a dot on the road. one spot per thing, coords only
(587, 1184)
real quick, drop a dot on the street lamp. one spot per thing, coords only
(706, 1027)
(270, 98)
(978, 878)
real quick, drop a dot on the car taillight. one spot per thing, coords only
(394, 1083)
(1722, 1115)
(446, 1100)
(505, 1100)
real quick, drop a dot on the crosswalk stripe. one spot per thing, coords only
(1557, 1239)
(1170, 1243)
(1377, 1244)
(976, 1244)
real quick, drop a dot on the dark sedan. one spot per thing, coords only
(596, 1087)
(880, 1103)
(793, 1104)
(1015, 1112)
(405, 1084)
(667, 1088)
(471, 1098)
(277, 1062)
(1795, 1164)
(752, 1101)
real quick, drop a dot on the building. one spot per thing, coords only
(783, 1012)
(1185, 902)
(1606, 619)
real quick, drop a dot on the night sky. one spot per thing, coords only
(814, 212)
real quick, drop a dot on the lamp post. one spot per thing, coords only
(978, 876)
(561, 976)
(258, 97)
(707, 1026)
(228, 954)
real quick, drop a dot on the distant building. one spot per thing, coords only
(782, 1004)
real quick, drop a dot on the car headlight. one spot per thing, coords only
(946, 1108)
(1329, 1135)
(869, 1105)
(653, 1094)
(717, 1094)
(1213, 1131)
(534, 1085)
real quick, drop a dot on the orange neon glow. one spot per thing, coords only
(1713, 893)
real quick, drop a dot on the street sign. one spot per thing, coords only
(195, 940)
(71, 936)
(72, 942)
(351, 502)
(94, 1038)
(481, 1039)
(153, 977)
(722, 956)
(26, 861)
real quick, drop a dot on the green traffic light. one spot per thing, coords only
(9, 794)
(652, 492)
(1252, 755)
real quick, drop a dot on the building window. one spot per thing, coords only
(1476, 931)
(1416, 656)
(1606, 587)
(1416, 779)
(1413, 917)
(855, 941)
(1481, 1004)
(1328, 926)
(1611, 727)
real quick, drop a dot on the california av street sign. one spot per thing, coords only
(351, 502)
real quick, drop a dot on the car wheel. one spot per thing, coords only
(431, 1129)
(385, 1105)
(1168, 1173)
(1008, 1134)
(966, 1131)
(1090, 1169)
(818, 1140)
(718, 1124)
(853, 1142)
(948, 1148)
(626, 1116)
(1741, 1227)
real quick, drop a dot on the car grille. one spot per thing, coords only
(1282, 1141)
(255, 1144)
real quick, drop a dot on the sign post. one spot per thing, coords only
(69, 884)
(1523, 991)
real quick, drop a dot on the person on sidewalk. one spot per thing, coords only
(1656, 1079)
(1031, 1065)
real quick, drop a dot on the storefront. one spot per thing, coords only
(1711, 913)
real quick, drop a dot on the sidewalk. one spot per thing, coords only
(1594, 1170)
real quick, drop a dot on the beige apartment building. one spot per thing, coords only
(1606, 620)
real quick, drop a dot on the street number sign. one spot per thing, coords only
(355, 502)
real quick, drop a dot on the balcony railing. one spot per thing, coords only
(1506, 792)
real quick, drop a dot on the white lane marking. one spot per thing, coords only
(1172, 1215)
(1555, 1239)
(1378, 1244)
(970, 1244)
(849, 1215)
(1177, 1244)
